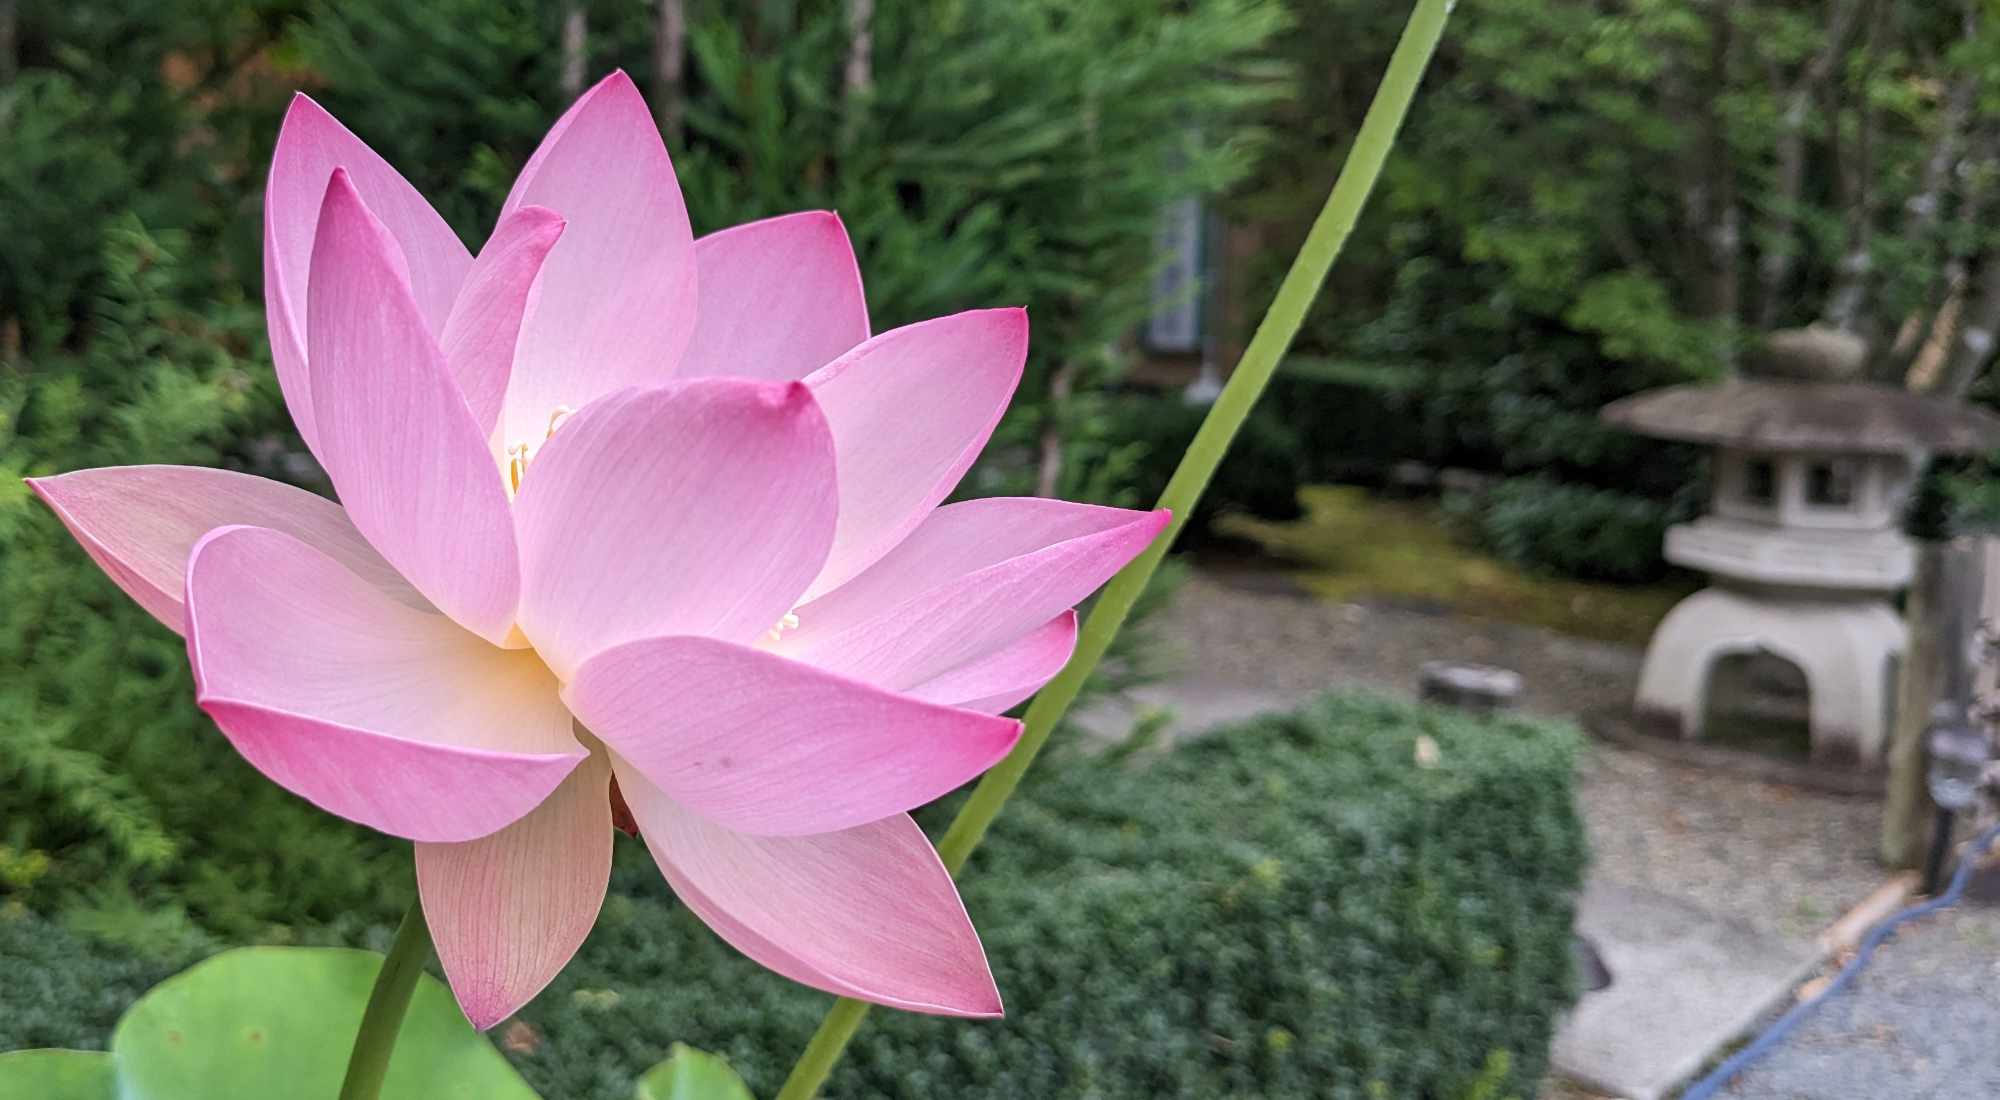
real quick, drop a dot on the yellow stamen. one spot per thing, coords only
(519, 454)
(517, 465)
(789, 622)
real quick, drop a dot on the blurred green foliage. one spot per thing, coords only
(998, 153)
(159, 111)
(1267, 462)
(1576, 530)
(116, 787)
(1595, 199)
(1292, 907)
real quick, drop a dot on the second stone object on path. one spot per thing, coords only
(1468, 686)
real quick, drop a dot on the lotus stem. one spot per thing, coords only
(387, 1003)
(1246, 384)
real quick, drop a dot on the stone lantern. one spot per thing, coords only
(1802, 544)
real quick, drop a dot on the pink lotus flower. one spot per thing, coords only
(616, 504)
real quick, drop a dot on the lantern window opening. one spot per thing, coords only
(1832, 483)
(1759, 486)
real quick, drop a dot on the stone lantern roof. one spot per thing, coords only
(1840, 417)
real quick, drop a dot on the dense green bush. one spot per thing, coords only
(1293, 907)
(1145, 434)
(67, 989)
(153, 110)
(1596, 534)
(116, 787)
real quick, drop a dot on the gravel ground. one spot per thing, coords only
(1698, 833)
(1921, 1022)
(1254, 629)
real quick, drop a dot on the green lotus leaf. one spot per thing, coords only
(690, 1074)
(57, 1075)
(268, 1023)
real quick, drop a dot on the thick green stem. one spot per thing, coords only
(1260, 360)
(387, 1003)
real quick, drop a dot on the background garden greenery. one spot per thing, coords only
(995, 153)
(1589, 200)
(1596, 198)
(1291, 907)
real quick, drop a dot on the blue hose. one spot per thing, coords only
(1713, 1083)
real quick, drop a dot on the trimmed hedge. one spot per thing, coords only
(1291, 907)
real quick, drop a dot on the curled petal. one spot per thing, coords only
(767, 746)
(997, 681)
(702, 507)
(867, 912)
(910, 410)
(369, 709)
(974, 578)
(508, 911)
(434, 262)
(485, 323)
(139, 523)
(780, 298)
(401, 447)
(617, 298)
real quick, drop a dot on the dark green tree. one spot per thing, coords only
(1593, 199)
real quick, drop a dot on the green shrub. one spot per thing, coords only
(115, 785)
(1575, 530)
(1291, 907)
(66, 989)
(122, 110)
(1261, 474)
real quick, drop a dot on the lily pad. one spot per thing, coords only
(690, 1074)
(57, 1075)
(269, 1022)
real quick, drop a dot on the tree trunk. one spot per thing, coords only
(1707, 181)
(859, 76)
(1724, 234)
(1048, 480)
(1978, 320)
(669, 58)
(1774, 268)
(1846, 305)
(1917, 358)
(1923, 215)
(1943, 611)
(575, 35)
(10, 57)
(1925, 209)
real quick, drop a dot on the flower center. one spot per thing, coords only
(519, 454)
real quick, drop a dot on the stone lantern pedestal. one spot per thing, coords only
(1801, 543)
